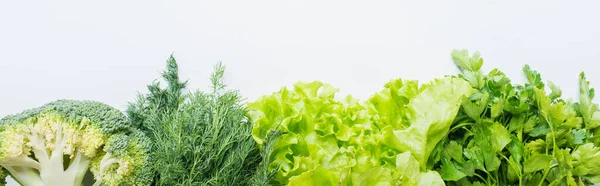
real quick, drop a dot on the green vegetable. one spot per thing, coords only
(200, 138)
(510, 134)
(3, 176)
(385, 141)
(264, 173)
(319, 133)
(58, 143)
(430, 113)
(476, 128)
(589, 110)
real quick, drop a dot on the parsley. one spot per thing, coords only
(519, 134)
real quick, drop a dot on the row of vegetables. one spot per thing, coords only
(474, 128)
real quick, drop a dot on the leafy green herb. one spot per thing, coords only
(515, 134)
(200, 138)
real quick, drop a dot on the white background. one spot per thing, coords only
(110, 50)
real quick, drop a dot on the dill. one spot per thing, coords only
(200, 137)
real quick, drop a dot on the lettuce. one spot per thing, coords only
(383, 141)
(430, 114)
(319, 132)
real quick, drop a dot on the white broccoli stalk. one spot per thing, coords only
(49, 150)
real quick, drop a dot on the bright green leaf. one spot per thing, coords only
(320, 176)
(451, 172)
(537, 162)
(500, 136)
(432, 113)
(588, 109)
(465, 62)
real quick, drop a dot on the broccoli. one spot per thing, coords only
(59, 142)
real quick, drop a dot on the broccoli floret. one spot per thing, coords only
(58, 143)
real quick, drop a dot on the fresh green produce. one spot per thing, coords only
(475, 128)
(472, 129)
(59, 142)
(3, 176)
(510, 134)
(200, 138)
(588, 110)
(330, 142)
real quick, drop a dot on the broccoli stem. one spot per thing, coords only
(79, 166)
(49, 168)
(25, 176)
(53, 172)
(22, 161)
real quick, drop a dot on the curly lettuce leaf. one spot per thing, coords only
(408, 166)
(354, 142)
(406, 171)
(319, 176)
(389, 106)
(318, 130)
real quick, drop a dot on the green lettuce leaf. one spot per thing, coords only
(319, 132)
(384, 141)
(389, 107)
(431, 112)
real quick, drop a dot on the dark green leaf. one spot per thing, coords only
(475, 157)
(533, 179)
(454, 150)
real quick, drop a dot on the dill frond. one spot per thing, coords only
(200, 137)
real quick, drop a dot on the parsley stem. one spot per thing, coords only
(480, 177)
(545, 174)
(459, 126)
(512, 165)
(490, 176)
